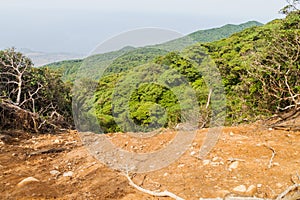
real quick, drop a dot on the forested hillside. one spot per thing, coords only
(259, 68)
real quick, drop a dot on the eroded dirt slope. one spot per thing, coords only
(65, 170)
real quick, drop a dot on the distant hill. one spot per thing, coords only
(71, 68)
(43, 58)
(129, 57)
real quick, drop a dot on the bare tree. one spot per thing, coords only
(292, 6)
(276, 71)
(30, 98)
(14, 66)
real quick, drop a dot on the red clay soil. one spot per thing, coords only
(242, 156)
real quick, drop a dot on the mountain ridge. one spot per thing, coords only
(207, 35)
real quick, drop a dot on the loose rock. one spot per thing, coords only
(240, 188)
(233, 165)
(27, 180)
(251, 190)
(54, 172)
(215, 159)
(214, 164)
(205, 162)
(181, 165)
(68, 174)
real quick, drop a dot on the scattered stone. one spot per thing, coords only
(279, 185)
(233, 165)
(231, 134)
(275, 164)
(240, 188)
(251, 190)
(56, 141)
(166, 174)
(259, 185)
(54, 172)
(215, 159)
(193, 153)
(181, 165)
(214, 164)
(27, 180)
(68, 174)
(206, 162)
(55, 167)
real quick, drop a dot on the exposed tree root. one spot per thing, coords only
(272, 157)
(153, 193)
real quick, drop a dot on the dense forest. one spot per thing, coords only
(259, 68)
(256, 67)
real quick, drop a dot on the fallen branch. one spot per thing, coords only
(288, 190)
(156, 194)
(235, 159)
(273, 155)
(286, 121)
(46, 151)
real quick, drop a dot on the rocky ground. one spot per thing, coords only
(247, 161)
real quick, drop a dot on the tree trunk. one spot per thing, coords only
(19, 90)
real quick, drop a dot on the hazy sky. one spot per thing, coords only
(80, 25)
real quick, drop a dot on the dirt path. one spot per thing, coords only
(65, 170)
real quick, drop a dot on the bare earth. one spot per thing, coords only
(241, 157)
